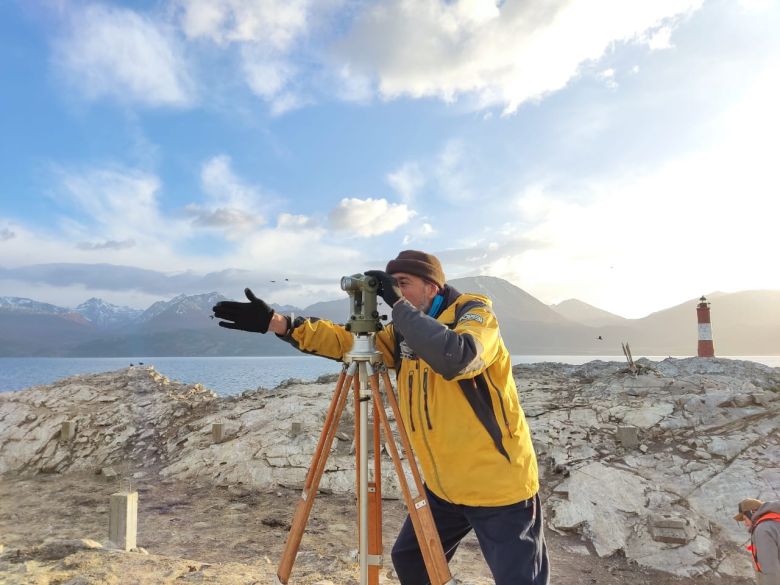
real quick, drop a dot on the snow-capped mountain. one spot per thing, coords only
(180, 307)
(30, 306)
(105, 315)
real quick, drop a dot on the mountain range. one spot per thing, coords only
(743, 323)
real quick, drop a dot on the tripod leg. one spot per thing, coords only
(375, 507)
(419, 509)
(317, 467)
(356, 439)
(370, 547)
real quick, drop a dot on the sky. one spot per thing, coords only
(621, 152)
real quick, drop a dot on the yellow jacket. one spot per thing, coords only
(457, 396)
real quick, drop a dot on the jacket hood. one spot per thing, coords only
(765, 508)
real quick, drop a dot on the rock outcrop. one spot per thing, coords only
(649, 464)
(706, 436)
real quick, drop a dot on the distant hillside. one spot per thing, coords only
(579, 312)
(29, 334)
(744, 323)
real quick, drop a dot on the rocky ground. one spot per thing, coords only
(640, 475)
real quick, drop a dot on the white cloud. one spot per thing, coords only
(407, 180)
(106, 245)
(266, 32)
(451, 173)
(230, 204)
(501, 55)
(351, 86)
(6, 234)
(118, 53)
(266, 76)
(608, 76)
(122, 203)
(756, 5)
(223, 186)
(368, 217)
(273, 23)
(423, 231)
(295, 222)
(660, 39)
(223, 218)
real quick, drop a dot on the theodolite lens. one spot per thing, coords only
(358, 282)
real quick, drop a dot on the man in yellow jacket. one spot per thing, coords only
(459, 405)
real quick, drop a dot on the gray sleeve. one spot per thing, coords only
(448, 353)
(766, 537)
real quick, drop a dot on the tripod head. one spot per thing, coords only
(362, 290)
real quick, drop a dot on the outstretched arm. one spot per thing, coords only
(255, 316)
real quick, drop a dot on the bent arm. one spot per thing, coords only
(459, 353)
(316, 336)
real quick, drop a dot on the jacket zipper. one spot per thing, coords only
(411, 392)
(425, 436)
(501, 402)
(425, 396)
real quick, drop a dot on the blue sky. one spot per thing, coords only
(620, 152)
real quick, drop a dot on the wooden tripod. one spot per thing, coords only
(360, 370)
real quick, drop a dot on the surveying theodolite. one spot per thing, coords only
(362, 366)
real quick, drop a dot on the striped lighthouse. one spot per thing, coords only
(706, 348)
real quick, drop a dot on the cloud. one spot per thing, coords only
(223, 186)
(266, 76)
(230, 202)
(351, 86)
(289, 221)
(502, 54)
(6, 234)
(122, 202)
(223, 218)
(107, 245)
(116, 52)
(275, 23)
(660, 39)
(266, 33)
(368, 217)
(608, 76)
(451, 174)
(423, 231)
(407, 181)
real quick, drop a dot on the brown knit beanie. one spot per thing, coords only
(420, 264)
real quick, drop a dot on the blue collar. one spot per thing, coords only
(436, 305)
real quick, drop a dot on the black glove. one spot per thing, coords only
(252, 316)
(388, 286)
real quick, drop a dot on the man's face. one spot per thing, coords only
(416, 290)
(747, 522)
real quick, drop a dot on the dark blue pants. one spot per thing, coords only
(511, 538)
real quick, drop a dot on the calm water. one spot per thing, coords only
(229, 375)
